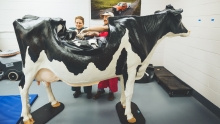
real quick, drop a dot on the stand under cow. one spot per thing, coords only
(47, 56)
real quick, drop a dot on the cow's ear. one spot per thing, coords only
(175, 12)
(157, 11)
(169, 7)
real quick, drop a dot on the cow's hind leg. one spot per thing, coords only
(24, 86)
(128, 93)
(51, 97)
(122, 99)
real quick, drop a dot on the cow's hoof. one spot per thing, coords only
(56, 105)
(32, 120)
(132, 120)
(29, 122)
(123, 106)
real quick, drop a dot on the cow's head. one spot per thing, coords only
(145, 31)
(174, 24)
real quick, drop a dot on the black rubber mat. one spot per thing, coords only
(45, 113)
(173, 83)
(161, 72)
(135, 111)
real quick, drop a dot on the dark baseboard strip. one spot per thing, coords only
(213, 108)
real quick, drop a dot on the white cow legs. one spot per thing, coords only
(25, 100)
(128, 94)
(51, 97)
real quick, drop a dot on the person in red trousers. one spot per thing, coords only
(113, 87)
(113, 82)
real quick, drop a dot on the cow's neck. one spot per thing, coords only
(154, 37)
(155, 31)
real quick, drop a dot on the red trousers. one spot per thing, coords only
(111, 83)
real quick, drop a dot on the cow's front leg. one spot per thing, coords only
(24, 86)
(128, 94)
(122, 99)
(51, 97)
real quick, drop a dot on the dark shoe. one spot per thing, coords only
(76, 94)
(89, 95)
(111, 96)
(98, 94)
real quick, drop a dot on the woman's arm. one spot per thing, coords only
(92, 33)
(96, 28)
(99, 28)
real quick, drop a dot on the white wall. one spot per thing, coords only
(196, 59)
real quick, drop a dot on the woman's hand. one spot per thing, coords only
(84, 30)
(82, 33)
(87, 32)
(80, 36)
(92, 34)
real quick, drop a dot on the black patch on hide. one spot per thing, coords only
(121, 62)
(137, 69)
(39, 34)
(22, 81)
(125, 74)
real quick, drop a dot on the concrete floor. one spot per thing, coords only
(155, 104)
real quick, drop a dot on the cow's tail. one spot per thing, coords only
(19, 31)
(141, 71)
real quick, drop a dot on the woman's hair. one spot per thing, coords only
(79, 17)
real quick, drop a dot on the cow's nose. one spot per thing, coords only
(185, 34)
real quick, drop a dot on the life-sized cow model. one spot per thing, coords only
(131, 43)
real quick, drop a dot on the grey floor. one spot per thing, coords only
(154, 103)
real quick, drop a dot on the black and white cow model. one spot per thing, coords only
(131, 43)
